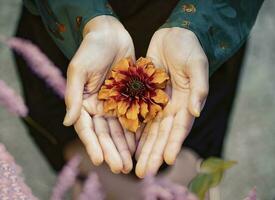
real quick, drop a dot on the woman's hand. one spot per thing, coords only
(180, 53)
(103, 136)
(105, 41)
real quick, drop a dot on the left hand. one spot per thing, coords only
(178, 51)
(105, 41)
(103, 136)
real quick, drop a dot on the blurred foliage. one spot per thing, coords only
(211, 173)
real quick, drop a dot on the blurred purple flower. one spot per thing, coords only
(179, 191)
(92, 189)
(151, 190)
(66, 178)
(12, 185)
(154, 188)
(39, 63)
(11, 101)
(252, 195)
(15, 104)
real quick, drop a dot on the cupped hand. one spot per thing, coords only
(180, 53)
(105, 41)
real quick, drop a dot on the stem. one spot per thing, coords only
(40, 129)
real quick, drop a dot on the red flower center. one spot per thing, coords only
(135, 87)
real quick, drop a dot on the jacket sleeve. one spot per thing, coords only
(65, 19)
(222, 26)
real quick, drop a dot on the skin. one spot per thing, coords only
(105, 41)
(179, 52)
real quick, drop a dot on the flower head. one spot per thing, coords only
(252, 195)
(12, 185)
(66, 178)
(162, 188)
(134, 92)
(39, 63)
(12, 101)
(92, 188)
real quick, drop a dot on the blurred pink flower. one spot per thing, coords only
(66, 178)
(39, 63)
(155, 188)
(179, 191)
(11, 101)
(12, 185)
(92, 189)
(15, 104)
(252, 195)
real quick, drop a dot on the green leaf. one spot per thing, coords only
(211, 175)
(200, 185)
(215, 178)
(213, 165)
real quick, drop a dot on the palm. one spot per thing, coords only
(105, 42)
(179, 52)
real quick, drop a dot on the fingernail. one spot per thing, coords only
(170, 160)
(197, 109)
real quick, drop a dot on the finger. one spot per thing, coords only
(156, 156)
(74, 94)
(85, 130)
(121, 145)
(181, 127)
(147, 149)
(142, 140)
(139, 133)
(131, 141)
(110, 152)
(199, 86)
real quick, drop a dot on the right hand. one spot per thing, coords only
(179, 52)
(105, 42)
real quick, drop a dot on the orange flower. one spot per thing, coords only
(134, 92)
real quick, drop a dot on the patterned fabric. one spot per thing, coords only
(65, 19)
(222, 26)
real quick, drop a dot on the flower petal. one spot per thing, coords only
(161, 85)
(122, 107)
(103, 93)
(160, 76)
(143, 61)
(113, 93)
(109, 82)
(109, 105)
(144, 109)
(153, 110)
(129, 124)
(112, 113)
(122, 65)
(160, 97)
(149, 70)
(132, 112)
(118, 76)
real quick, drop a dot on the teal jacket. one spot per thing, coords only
(222, 26)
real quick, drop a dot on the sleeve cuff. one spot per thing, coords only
(220, 27)
(65, 20)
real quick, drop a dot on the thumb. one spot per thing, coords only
(153, 53)
(199, 86)
(74, 94)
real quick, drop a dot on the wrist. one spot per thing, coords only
(104, 23)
